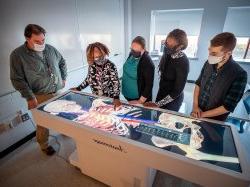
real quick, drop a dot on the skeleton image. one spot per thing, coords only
(101, 106)
(103, 116)
(100, 115)
(58, 106)
(191, 152)
(181, 124)
(104, 122)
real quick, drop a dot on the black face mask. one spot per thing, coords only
(100, 61)
(136, 54)
(169, 51)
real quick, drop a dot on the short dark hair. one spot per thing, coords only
(33, 29)
(180, 36)
(225, 39)
(140, 40)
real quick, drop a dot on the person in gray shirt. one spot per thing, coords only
(37, 71)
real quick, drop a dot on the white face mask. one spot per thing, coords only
(214, 59)
(39, 48)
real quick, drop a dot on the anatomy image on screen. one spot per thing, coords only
(183, 124)
(183, 135)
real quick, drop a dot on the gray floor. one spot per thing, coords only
(28, 166)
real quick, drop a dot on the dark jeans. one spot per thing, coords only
(175, 105)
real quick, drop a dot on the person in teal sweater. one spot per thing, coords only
(138, 74)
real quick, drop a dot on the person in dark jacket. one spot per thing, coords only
(222, 81)
(138, 74)
(173, 69)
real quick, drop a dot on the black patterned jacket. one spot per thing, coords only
(103, 80)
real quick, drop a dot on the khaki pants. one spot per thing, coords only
(42, 133)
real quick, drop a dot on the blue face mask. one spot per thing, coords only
(169, 51)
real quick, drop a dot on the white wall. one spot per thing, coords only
(70, 26)
(57, 17)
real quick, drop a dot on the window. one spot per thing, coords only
(236, 22)
(241, 51)
(164, 21)
(191, 50)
